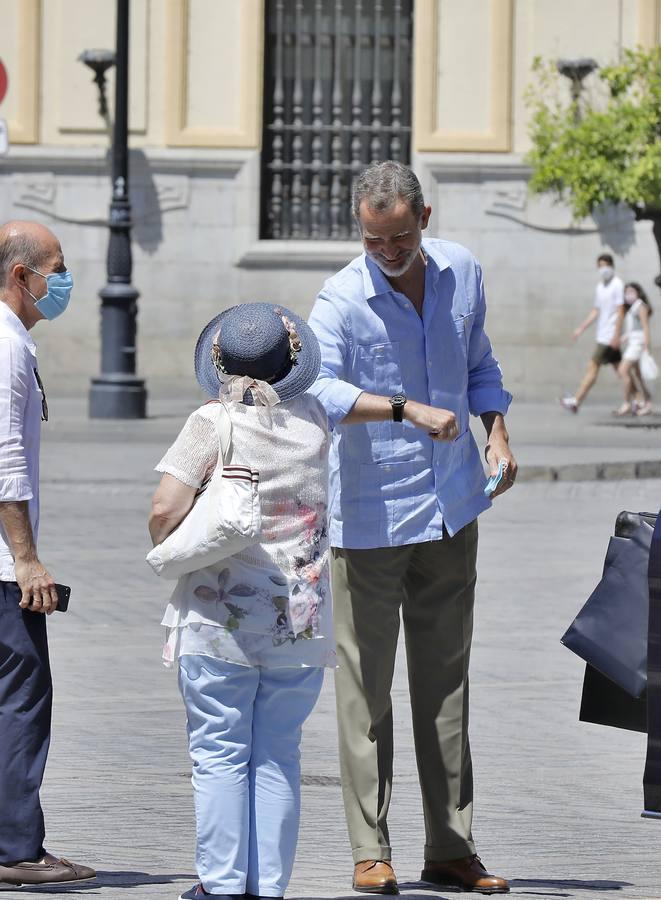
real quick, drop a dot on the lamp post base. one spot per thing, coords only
(117, 397)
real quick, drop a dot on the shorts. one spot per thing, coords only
(605, 355)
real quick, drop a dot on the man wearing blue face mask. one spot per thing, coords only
(34, 285)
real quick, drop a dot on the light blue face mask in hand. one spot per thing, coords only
(58, 292)
(495, 480)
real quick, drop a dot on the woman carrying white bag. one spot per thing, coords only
(637, 366)
(250, 622)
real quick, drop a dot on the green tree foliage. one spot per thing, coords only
(604, 147)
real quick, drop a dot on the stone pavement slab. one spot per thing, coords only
(557, 802)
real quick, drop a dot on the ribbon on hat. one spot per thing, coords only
(233, 387)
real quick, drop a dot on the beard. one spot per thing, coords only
(401, 268)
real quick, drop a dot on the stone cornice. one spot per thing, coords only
(95, 160)
(474, 166)
(320, 255)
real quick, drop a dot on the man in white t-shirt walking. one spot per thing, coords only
(608, 311)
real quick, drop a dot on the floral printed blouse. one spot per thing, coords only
(269, 605)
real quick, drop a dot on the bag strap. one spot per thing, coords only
(224, 430)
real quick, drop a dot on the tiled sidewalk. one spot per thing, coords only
(557, 802)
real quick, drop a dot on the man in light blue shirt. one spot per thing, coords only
(405, 362)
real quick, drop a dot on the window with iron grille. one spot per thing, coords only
(337, 96)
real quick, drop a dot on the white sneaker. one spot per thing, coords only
(570, 404)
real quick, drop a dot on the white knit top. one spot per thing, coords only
(269, 605)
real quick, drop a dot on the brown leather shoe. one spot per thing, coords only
(47, 870)
(467, 873)
(375, 876)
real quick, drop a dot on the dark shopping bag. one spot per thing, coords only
(605, 703)
(610, 631)
(652, 776)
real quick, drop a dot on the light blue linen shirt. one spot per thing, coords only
(390, 484)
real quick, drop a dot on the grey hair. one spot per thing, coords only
(18, 247)
(382, 184)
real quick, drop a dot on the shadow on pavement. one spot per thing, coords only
(135, 879)
(108, 879)
(546, 887)
(574, 884)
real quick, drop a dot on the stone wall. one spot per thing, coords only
(195, 128)
(196, 251)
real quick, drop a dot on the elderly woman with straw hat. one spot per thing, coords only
(251, 634)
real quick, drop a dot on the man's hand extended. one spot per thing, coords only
(440, 424)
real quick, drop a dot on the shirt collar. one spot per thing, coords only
(375, 282)
(9, 320)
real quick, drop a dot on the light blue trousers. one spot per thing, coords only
(244, 730)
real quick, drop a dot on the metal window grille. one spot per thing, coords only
(337, 96)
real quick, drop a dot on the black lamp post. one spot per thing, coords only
(576, 70)
(117, 393)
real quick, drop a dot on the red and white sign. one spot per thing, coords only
(4, 81)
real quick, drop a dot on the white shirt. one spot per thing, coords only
(243, 609)
(20, 426)
(608, 299)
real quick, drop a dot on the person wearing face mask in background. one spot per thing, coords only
(34, 285)
(635, 340)
(608, 312)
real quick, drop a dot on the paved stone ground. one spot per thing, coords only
(557, 802)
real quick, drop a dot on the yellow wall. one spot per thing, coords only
(196, 67)
(462, 74)
(214, 75)
(19, 51)
(195, 71)
(472, 61)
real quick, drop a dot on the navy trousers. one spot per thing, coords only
(25, 718)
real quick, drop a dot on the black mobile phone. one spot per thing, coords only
(63, 594)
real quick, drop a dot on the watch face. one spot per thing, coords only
(398, 400)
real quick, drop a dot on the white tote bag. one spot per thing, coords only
(224, 519)
(648, 367)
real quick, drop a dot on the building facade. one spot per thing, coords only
(248, 121)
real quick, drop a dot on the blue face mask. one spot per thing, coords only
(58, 291)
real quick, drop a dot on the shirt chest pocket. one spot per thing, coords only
(463, 326)
(379, 369)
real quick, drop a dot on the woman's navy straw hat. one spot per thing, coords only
(263, 340)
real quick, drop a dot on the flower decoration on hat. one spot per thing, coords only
(295, 343)
(215, 354)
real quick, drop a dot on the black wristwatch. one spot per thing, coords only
(398, 402)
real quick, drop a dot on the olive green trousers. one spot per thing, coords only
(433, 584)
